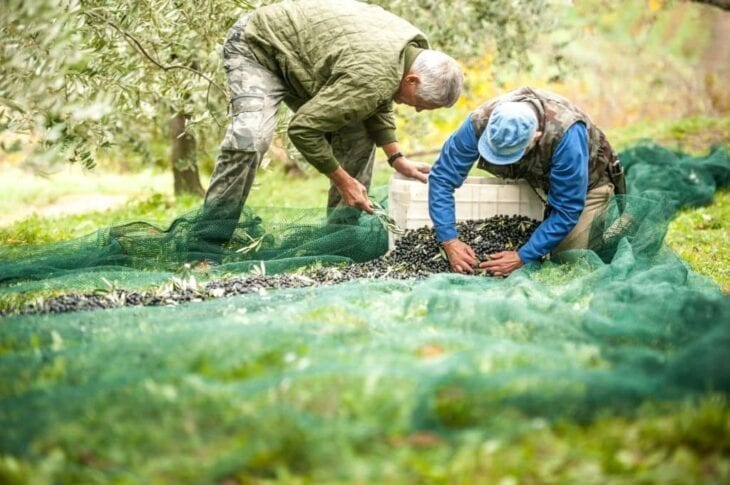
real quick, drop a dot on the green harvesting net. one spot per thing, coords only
(329, 380)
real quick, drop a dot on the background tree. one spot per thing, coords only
(164, 55)
(85, 75)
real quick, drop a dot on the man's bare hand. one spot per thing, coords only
(354, 194)
(414, 170)
(461, 256)
(502, 263)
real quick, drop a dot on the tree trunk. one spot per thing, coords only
(184, 166)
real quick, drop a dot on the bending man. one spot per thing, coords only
(543, 138)
(339, 65)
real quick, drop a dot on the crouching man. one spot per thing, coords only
(543, 138)
(339, 65)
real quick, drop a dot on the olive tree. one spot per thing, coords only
(83, 75)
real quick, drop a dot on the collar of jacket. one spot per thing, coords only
(409, 55)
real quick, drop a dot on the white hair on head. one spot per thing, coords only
(440, 76)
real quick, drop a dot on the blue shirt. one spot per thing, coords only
(566, 196)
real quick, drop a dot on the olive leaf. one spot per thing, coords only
(385, 220)
(440, 255)
(253, 246)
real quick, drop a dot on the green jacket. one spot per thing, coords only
(342, 62)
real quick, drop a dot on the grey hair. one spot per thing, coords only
(440, 75)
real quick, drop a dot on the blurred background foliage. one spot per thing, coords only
(630, 64)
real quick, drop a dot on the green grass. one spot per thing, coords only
(148, 199)
(694, 134)
(702, 238)
(157, 208)
(24, 190)
(679, 443)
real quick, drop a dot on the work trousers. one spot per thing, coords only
(580, 237)
(255, 94)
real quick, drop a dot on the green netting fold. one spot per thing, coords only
(285, 239)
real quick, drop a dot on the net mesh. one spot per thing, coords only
(326, 381)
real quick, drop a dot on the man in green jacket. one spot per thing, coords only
(339, 65)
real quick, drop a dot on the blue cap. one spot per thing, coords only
(510, 129)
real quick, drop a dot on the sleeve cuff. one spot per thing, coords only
(327, 167)
(445, 233)
(384, 136)
(528, 254)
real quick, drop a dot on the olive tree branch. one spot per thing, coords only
(137, 45)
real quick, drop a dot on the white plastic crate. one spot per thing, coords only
(477, 198)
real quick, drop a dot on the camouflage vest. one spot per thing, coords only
(555, 115)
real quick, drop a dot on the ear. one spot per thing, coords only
(537, 135)
(411, 79)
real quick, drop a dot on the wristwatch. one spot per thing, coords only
(394, 157)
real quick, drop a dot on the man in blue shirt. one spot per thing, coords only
(538, 136)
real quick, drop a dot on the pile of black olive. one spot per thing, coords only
(417, 251)
(416, 255)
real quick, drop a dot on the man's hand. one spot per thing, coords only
(414, 170)
(354, 194)
(461, 256)
(502, 263)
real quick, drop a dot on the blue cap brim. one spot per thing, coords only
(493, 157)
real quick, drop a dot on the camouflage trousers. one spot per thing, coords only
(255, 94)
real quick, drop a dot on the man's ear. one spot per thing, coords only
(537, 135)
(412, 79)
